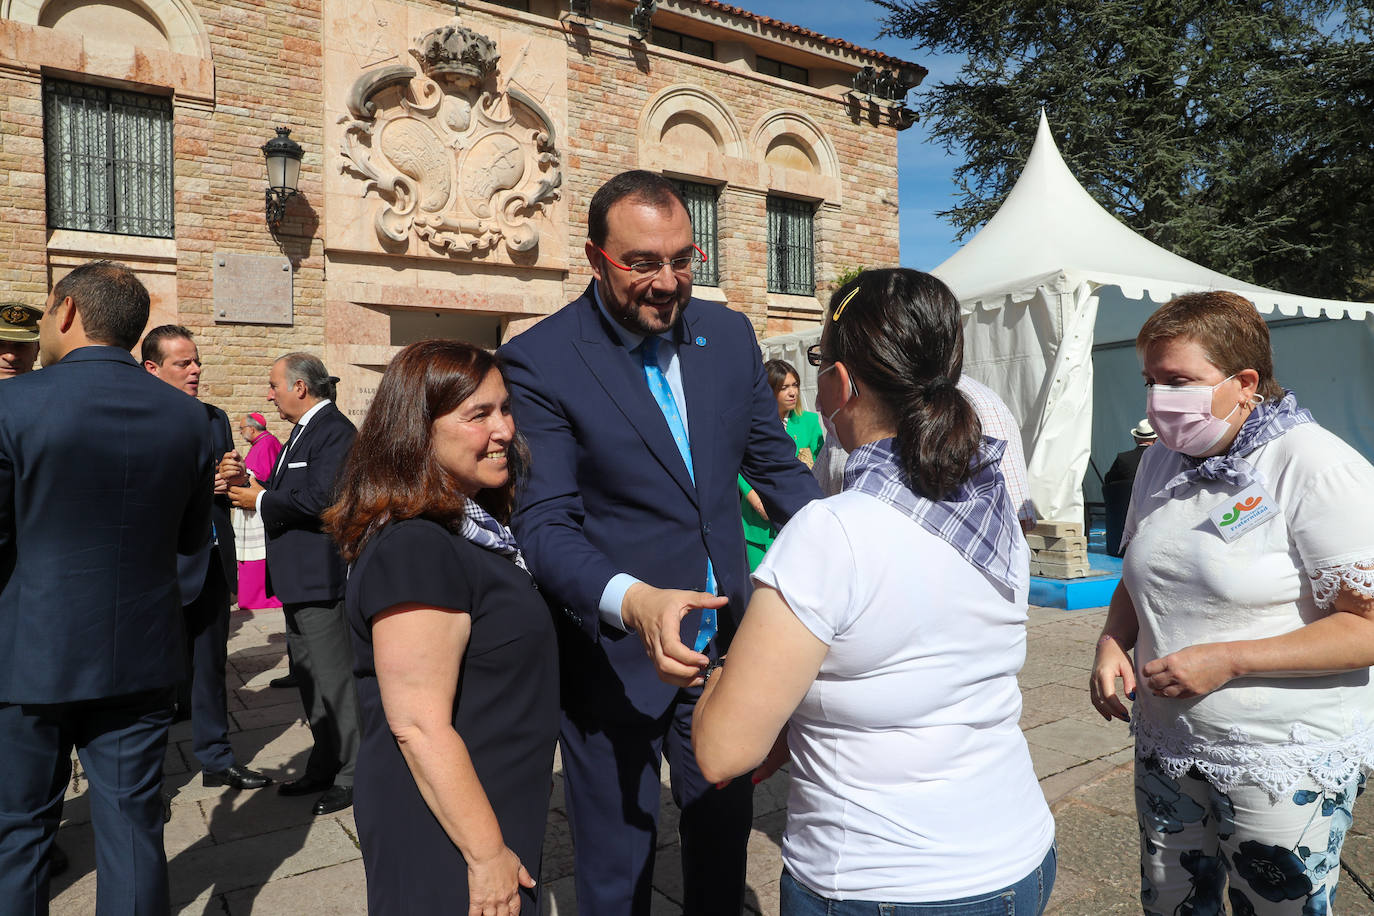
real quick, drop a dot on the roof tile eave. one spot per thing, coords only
(809, 33)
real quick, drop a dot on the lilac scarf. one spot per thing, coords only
(977, 519)
(1266, 423)
(485, 531)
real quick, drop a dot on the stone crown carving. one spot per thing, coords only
(456, 163)
(457, 53)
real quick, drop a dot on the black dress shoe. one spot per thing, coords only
(286, 680)
(235, 777)
(306, 785)
(57, 860)
(336, 799)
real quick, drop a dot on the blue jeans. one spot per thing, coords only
(1027, 897)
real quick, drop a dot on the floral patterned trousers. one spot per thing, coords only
(1281, 857)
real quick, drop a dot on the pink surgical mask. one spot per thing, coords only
(1182, 416)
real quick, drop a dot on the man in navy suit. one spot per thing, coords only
(641, 406)
(105, 475)
(206, 577)
(305, 571)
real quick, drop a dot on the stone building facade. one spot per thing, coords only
(449, 157)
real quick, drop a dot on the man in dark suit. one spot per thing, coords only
(206, 577)
(105, 474)
(641, 406)
(18, 353)
(1116, 486)
(305, 571)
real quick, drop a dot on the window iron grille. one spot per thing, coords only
(109, 160)
(791, 247)
(701, 206)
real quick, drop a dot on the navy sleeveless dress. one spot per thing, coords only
(505, 709)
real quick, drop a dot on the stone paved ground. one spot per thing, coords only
(232, 854)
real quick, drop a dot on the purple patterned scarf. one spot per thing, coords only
(485, 531)
(977, 519)
(1266, 423)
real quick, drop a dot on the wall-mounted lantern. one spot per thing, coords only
(283, 173)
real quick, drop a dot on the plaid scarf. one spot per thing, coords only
(485, 531)
(977, 520)
(1267, 422)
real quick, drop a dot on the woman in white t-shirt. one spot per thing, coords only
(882, 644)
(1247, 594)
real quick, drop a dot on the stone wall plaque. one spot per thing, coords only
(253, 289)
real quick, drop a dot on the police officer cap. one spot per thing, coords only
(19, 322)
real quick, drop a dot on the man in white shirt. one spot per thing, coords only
(207, 578)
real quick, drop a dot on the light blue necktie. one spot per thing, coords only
(663, 394)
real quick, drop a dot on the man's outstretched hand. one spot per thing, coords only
(655, 614)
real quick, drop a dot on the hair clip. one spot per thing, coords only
(844, 303)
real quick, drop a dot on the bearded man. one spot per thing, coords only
(641, 406)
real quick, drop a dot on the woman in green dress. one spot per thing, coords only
(805, 429)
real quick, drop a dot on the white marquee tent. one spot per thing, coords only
(1053, 283)
(1052, 277)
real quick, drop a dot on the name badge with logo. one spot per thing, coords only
(1244, 512)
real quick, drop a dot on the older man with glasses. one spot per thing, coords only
(249, 537)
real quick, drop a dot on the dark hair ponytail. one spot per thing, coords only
(898, 332)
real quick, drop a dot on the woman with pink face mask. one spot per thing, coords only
(1247, 597)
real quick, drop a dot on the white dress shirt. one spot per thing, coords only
(291, 443)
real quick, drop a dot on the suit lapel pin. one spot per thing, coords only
(700, 341)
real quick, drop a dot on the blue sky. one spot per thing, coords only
(926, 181)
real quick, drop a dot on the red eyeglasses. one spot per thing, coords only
(682, 265)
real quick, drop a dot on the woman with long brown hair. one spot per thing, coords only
(455, 654)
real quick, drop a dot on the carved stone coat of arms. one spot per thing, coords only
(455, 162)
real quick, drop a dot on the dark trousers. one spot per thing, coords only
(1116, 495)
(207, 636)
(121, 742)
(611, 783)
(323, 655)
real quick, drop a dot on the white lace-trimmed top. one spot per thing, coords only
(1189, 586)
